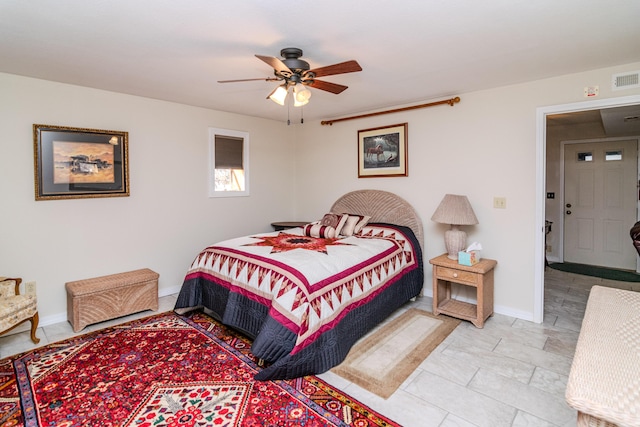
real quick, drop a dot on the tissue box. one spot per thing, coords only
(468, 258)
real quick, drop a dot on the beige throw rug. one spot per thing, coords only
(383, 359)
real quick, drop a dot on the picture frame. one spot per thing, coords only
(76, 163)
(382, 151)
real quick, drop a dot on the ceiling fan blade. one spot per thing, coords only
(265, 79)
(341, 68)
(329, 87)
(275, 63)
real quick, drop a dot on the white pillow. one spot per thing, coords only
(354, 224)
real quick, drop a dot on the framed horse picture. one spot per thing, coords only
(382, 151)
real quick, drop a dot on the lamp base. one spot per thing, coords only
(455, 240)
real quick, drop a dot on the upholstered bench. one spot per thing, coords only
(604, 382)
(107, 297)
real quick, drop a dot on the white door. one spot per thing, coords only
(600, 203)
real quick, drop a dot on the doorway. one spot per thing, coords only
(542, 115)
(600, 202)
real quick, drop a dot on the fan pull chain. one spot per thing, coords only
(289, 101)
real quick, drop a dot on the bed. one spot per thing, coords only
(305, 300)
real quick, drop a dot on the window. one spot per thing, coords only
(613, 155)
(228, 163)
(585, 157)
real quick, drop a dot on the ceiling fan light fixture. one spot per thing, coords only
(301, 95)
(279, 94)
(297, 74)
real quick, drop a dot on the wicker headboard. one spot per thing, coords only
(382, 206)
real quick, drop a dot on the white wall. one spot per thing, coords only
(167, 218)
(485, 146)
(482, 147)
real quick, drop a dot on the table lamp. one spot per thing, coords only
(455, 210)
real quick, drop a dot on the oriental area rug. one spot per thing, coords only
(383, 359)
(164, 370)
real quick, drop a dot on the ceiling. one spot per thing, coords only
(606, 122)
(411, 51)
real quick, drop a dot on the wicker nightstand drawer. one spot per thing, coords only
(457, 275)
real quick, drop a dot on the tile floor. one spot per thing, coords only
(510, 373)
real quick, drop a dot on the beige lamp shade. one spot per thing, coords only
(455, 210)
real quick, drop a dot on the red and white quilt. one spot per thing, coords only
(308, 283)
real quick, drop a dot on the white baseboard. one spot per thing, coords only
(62, 317)
(496, 308)
(513, 313)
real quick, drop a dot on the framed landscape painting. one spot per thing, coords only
(72, 163)
(382, 152)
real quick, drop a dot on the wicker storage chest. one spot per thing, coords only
(107, 297)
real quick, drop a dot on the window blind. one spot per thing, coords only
(228, 152)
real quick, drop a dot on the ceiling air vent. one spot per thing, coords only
(626, 80)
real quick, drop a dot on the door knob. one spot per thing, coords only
(568, 212)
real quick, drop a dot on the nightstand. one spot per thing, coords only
(283, 225)
(479, 276)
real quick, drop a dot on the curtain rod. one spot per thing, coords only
(397, 110)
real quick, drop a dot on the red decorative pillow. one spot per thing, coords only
(334, 220)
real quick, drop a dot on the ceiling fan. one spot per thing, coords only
(295, 72)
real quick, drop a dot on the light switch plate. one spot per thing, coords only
(500, 202)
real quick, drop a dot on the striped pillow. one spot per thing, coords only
(334, 220)
(316, 229)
